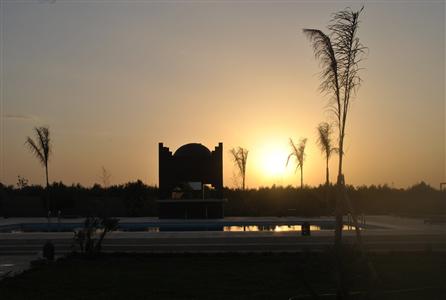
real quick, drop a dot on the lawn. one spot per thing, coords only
(221, 276)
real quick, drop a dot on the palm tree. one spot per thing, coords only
(240, 157)
(41, 148)
(298, 151)
(325, 143)
(105, 177)
(339, 54)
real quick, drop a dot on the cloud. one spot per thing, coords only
(20, 117)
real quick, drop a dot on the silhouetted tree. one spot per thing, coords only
(41, 148)
(135, 195)
(326, 145)
(105, 177)
(240, 157)
(298, 151)
(339, 54)
(420, 200)
(86, 237)
(22, 182)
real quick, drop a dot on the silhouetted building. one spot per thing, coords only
(191, 182)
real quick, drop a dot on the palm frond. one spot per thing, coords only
(41, 146)
(293, 147)
(288, 159)
(301, 151)
(297, 168)
(298, 151)
(324, 140)
(325, 54)
(43, 135)
(240, 158)
(35, 150)
(349, 51)
(335, 150)
(236, 159)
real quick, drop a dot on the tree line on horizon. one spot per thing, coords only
(138, 199)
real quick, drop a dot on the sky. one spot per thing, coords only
(112, 79)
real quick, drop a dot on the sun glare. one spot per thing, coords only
(273, 161)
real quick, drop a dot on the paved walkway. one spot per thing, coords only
(11, 265)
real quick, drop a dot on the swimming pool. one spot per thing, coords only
(183, 226)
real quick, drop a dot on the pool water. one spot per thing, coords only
(183, 226)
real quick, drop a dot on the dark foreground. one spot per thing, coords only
(224, 276)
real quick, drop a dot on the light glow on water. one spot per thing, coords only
(272, 228)
(279, 228)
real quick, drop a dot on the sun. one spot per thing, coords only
(273, 161)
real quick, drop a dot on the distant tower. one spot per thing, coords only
(191, 182)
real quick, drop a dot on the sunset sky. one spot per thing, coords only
(113, 78)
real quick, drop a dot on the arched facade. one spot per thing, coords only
(191, 182)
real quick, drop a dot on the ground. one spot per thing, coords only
(221, 276)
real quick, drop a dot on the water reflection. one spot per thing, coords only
(281, 228)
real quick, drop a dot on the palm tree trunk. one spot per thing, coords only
(47, 188)
(301, 177)
(342, 293)
(339, 196)
(339, 211)
(243, 182)
(327, 175)
(341, 154)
